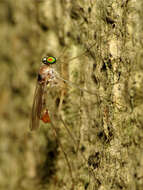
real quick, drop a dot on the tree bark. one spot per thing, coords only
(94, 140)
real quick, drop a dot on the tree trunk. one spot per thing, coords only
(94, 140)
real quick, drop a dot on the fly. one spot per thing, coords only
(46, 76)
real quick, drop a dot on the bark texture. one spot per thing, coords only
(95, 139)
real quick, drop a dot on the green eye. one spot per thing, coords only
(51, 60)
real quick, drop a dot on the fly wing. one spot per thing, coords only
(37, 106)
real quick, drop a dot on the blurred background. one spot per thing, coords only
(104, 148)
(29, 31)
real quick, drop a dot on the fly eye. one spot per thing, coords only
(44, 60)
(51, 60)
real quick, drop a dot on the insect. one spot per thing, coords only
(46, 76)
(49, 77)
